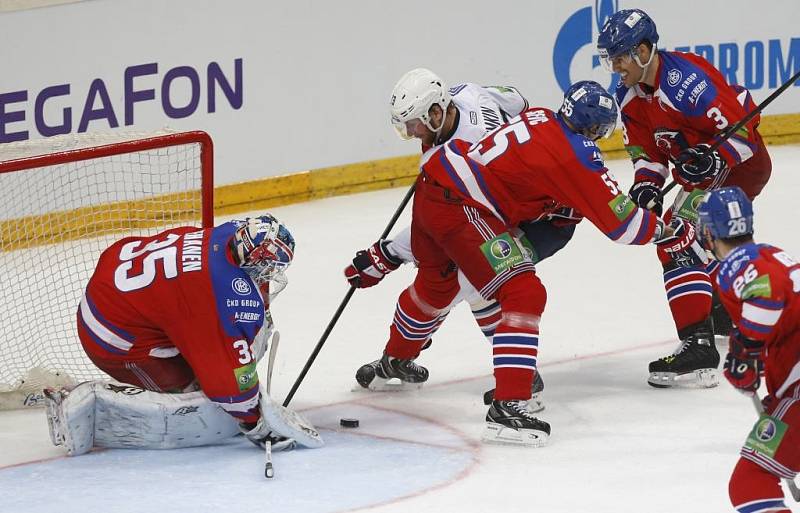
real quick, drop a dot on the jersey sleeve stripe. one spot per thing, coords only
(468, 178)
(100, 331)
(629, 231)
(476, 171)
(239, 405)
(645, 234)
(649, 168)
(760, 315)
(754, 330)
(769, 304)
(736, 151)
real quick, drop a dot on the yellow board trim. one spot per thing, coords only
(271, 192)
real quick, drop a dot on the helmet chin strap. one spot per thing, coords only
(646, 65)
(438, 131)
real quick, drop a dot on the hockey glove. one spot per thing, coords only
(371, 265)
(564, 216)
(743, 374)
(647, 194)
(259, 433)
(681, 244)
(742, 347)
(694, 166)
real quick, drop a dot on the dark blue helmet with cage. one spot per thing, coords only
(726, 212)
(590, 109)
(623, 32)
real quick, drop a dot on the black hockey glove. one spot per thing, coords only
(371, 265)
(682, 244)
(695, 167)
(647, 194)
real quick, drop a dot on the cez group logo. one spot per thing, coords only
(578, 33)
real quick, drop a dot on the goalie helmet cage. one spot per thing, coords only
(63, 200)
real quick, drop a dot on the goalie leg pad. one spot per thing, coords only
(99, 414)
(71, 417)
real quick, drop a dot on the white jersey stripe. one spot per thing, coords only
(760, 315)
(103, 333)
(464, 172)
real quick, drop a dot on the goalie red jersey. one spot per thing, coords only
(177, 297)
(760, 288)
(536, 164)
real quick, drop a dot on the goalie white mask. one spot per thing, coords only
(264, 248)
(412, 98)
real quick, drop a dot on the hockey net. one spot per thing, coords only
(63, 200)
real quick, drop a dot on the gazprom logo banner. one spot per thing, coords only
(757, 64)
(574, 47)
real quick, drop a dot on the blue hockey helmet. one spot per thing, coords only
(590, 109)
(726, 212)
(623, 32)
(264, 247)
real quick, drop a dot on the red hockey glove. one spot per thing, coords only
(682, 245)
(745, 375)
(695, 167)
(371, 265)
(647, 194)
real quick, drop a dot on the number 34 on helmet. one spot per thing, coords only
(264, 247)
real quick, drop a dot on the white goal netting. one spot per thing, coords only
(60, 212)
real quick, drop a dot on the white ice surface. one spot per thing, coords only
(618, 445)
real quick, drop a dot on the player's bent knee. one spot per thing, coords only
(750, 482)
(523, 293)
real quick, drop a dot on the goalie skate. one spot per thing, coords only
(511, 423)
(693, 364)
(391, 374)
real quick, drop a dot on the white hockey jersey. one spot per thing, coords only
(480, 110)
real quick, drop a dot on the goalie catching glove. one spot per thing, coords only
(679, 241)
(371, 265)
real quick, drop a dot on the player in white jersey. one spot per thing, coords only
(423, 108)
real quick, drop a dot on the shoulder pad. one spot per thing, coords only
(735, 263)
(685, 84)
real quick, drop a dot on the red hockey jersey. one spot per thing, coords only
(181, 292)
(760, 288)
(691, 104)
(533, 165)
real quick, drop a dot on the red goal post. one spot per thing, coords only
(63, 200)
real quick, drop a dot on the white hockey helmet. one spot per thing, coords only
(413, 96)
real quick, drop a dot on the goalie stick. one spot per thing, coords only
(790, 484)
(728, 132)
(343, 304)
(269, 470)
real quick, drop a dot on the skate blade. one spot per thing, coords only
(701, 378)
(390, 385)
(499, 434)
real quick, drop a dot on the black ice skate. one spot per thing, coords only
(511, 422)
(694, 364)
(391, 373)
(535, 403)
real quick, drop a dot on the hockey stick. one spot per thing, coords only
(728, 132)
(344, 302)
(790, 484)
(269, 470)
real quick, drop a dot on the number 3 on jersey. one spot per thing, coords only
(156, 251)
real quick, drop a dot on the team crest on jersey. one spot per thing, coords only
(674, 76)
(240, 286)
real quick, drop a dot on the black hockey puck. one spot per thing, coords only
(348, 423)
